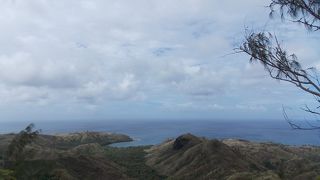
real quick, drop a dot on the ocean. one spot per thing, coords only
(156, 131)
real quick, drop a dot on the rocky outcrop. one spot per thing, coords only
(186, 141)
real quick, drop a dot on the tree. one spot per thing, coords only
(17, 145)
(265, 48)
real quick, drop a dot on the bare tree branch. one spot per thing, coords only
(265, 48)
(295, 125)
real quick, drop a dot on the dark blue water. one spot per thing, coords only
(154, 132)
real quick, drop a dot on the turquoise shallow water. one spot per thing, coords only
(154, 132)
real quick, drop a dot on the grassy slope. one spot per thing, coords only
(47, 159)
(187, 157)
(114, 163)
(191, 157)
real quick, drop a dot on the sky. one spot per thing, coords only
(142, 59)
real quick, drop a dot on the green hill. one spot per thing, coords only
(85, 156)
(191, 157)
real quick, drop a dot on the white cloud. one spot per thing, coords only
(95, 52)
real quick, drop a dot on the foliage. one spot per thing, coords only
(36, 169)
(16, 147)
(306, 12)
(265, 48)
(6, 174)
(133, 159)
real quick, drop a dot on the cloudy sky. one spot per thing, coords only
(141, 59)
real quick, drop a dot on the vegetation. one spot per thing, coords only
(70, 140)
(133, 160)
(7, 174)
(71, 156)
(186, 157)
(265, 48)
(19, 142)
(199, 158)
